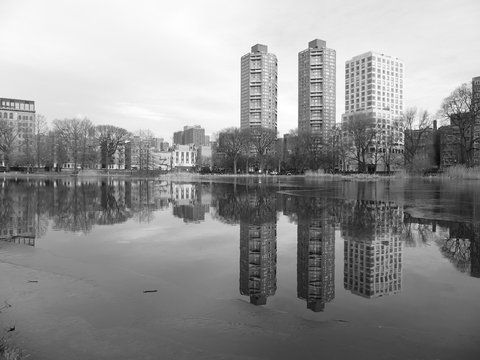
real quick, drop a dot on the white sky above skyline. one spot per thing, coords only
(163, 65)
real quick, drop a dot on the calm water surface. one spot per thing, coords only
(257, 268)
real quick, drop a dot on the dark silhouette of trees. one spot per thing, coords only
(233, 142)
(462, 111)
(8, 137)
(359, 131)
(417, 125)
(109, 138)
(72, 137)
(261, 140)
(40, 143)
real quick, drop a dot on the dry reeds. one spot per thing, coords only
(461, 172)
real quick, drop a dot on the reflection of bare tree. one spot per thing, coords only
(75, 206)
(458, 252)
(417, 234)
(457, 246)
(113, 210)
(250, 203)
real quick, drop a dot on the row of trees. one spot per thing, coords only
(255, 144)
(69, 140)
(351, 142)
(360, 141)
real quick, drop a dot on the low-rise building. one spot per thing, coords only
(19, 115)
(184, 157)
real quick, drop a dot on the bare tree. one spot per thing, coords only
(41, 130)
(391, 151)
(88, 153)
(360, 132)
(261, 140)
(233, 142)
(109, 138)
(8, 137)
(143, 144)
(461, 109)
(417, 125)
(71, 136)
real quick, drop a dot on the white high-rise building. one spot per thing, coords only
(374, 87)
(316, 88)
(374, 82)
(259, 89)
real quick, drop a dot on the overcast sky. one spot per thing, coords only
(162, 65)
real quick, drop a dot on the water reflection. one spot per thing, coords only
(372, 232)
(315, 252)
(255, 208)
(19, 222)
(458, 242)
(374, 226)
(188, 202)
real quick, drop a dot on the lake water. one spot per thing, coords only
(246, 268)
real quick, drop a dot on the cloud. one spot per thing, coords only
(136, 111)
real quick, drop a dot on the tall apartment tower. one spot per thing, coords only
(374, 88)
(476, 94)
(374, 82)
(258, 89)
(316, 88)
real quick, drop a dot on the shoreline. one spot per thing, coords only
(89, 174)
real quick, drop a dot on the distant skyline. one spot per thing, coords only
(161, 66)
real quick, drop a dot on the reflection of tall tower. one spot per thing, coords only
(373, 264)
(258, 261)
(315, 262)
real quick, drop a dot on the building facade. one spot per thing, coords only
(258, 99)
(374, 89)
(19, 116)
(184, 156)
(316, 88)
(190, 135)
(476, 91)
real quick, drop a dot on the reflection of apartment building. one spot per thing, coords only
(258, 261)
(315, 262)
(373, 256)
(19, 115)
(373, 268)
(18, 218)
